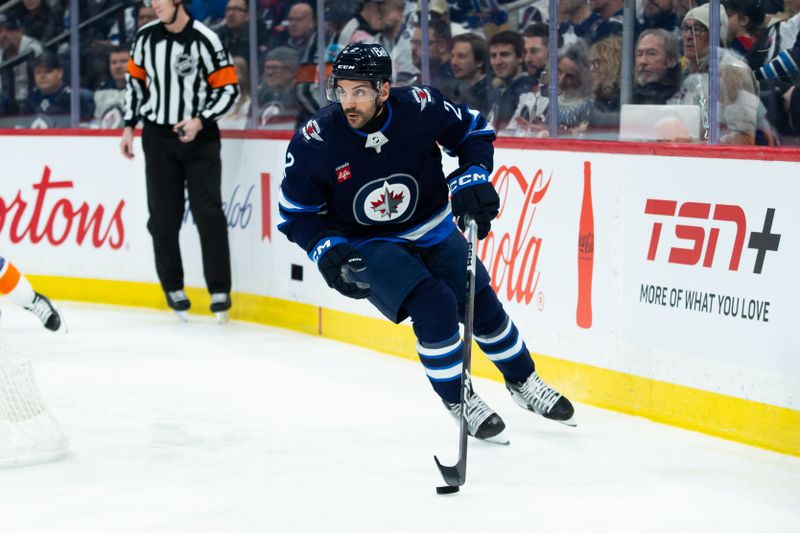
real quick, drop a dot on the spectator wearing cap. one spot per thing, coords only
(740, 116)
(747, 30)
(658, 73)
(16, 82)
(278, 106)
(48, 105)
(39, 19)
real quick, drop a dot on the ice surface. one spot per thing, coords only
(243, 428)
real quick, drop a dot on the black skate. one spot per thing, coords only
(537, 396)
(482, 422)
(179, 302)
(46, 311)
(220, 303)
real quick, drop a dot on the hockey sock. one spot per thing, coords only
(499, 338)
(433, 309)
(15, 285)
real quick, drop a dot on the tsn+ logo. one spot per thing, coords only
(730, 220)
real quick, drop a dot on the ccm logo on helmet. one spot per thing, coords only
(347, 67)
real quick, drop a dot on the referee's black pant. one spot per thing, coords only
(172, 166)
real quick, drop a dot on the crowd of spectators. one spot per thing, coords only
(478, 53)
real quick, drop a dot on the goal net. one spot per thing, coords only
(28, 432)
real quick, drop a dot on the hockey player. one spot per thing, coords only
(364, 194)
(18, 289)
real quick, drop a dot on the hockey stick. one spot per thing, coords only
(456, 475)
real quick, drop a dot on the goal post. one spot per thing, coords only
(28, 432)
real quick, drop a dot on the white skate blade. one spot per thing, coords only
(571, 422)
(182, 315)
(500, 439)
(222, 317)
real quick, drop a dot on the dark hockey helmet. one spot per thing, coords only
(360, 61)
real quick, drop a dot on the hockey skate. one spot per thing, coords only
(482, 422)
(43, 308)
(220, 303)
(537, 396)
(179, 302)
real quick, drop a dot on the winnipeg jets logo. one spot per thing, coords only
(311, 131)
(422, 96)
(389, 200)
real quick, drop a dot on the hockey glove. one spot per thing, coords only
(473, 194)
(336, 259)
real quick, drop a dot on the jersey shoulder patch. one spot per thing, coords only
(418, 96)
(311, 131)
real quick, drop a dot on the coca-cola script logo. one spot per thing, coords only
(60, 220)
(511, 258)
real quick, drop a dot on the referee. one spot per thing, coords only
(180, 80)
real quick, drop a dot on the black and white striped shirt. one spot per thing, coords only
(173, 76)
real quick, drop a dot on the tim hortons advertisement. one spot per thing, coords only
(69, 206)
(710, 255)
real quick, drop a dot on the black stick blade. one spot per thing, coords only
(456, 475)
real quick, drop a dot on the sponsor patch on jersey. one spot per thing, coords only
(343, 172)
(389, 200)
(185, 65)
(311, 131)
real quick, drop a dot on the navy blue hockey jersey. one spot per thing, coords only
(388, 185)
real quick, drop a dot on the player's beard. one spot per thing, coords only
(355, 121)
